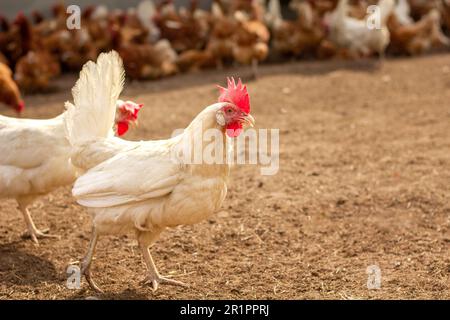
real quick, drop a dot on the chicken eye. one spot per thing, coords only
(229, 110)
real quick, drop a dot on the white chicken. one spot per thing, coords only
(149, 185)
(356, 35)
(35, 157)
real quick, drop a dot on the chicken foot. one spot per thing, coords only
(87, 262)
(154, 278)
(33, 232)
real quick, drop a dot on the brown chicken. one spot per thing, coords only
(97, 22)
(445, 10)
(418, 37)
(251, 39)
(16, 41)
(356, 8)
(185, 30)
(35, 70)
(195, 60)
(9, 92)
(72, 47)
(251, 46)
(299, 37)
(51, 33)
(420, 8)
(37, 17)
(132, 29)
(252, 8)
(3, 59)
(145, 61)
(5, 35)
(220, 43)
(36, 66)
(324, 6)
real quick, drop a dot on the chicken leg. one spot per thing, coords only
(87, 261)
(32, 231)
(154, 278)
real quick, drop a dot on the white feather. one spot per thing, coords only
(95, 94)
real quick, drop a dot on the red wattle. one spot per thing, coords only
(234, 129)
(122, 128)
(20, 106)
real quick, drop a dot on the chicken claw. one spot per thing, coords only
(36, 234)
(155, 281)
(154, 278)
(86, 271)
(87, 262)
(33, 232)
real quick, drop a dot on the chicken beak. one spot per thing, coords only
(249, 120)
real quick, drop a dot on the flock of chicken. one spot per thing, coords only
(160, 40)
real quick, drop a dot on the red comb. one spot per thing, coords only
(136, 110)
(129, 110)
(236, 94)
(20, 106)
(20, 18)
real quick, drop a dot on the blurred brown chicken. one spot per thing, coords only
(420, 8)
(16, 40)
(36, 66)
(5, 36)
(35, 70)
(298, 37)
(220, 42)
(185, 30)
(97, 22)
(145, 61)
(253, 8)
(410, 37)
(3, 59)
(251, 39)
(195, 60)
(157, 40)
(9, 93)
(445, 10)
(79, 50)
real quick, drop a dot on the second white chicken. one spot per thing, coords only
(35, 156)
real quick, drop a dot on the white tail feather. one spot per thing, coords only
(95, 94)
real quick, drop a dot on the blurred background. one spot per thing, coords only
(11, 7)
(162, 38)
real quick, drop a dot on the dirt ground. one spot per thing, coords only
(364, 180)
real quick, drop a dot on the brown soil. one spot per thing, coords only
(364, 180)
